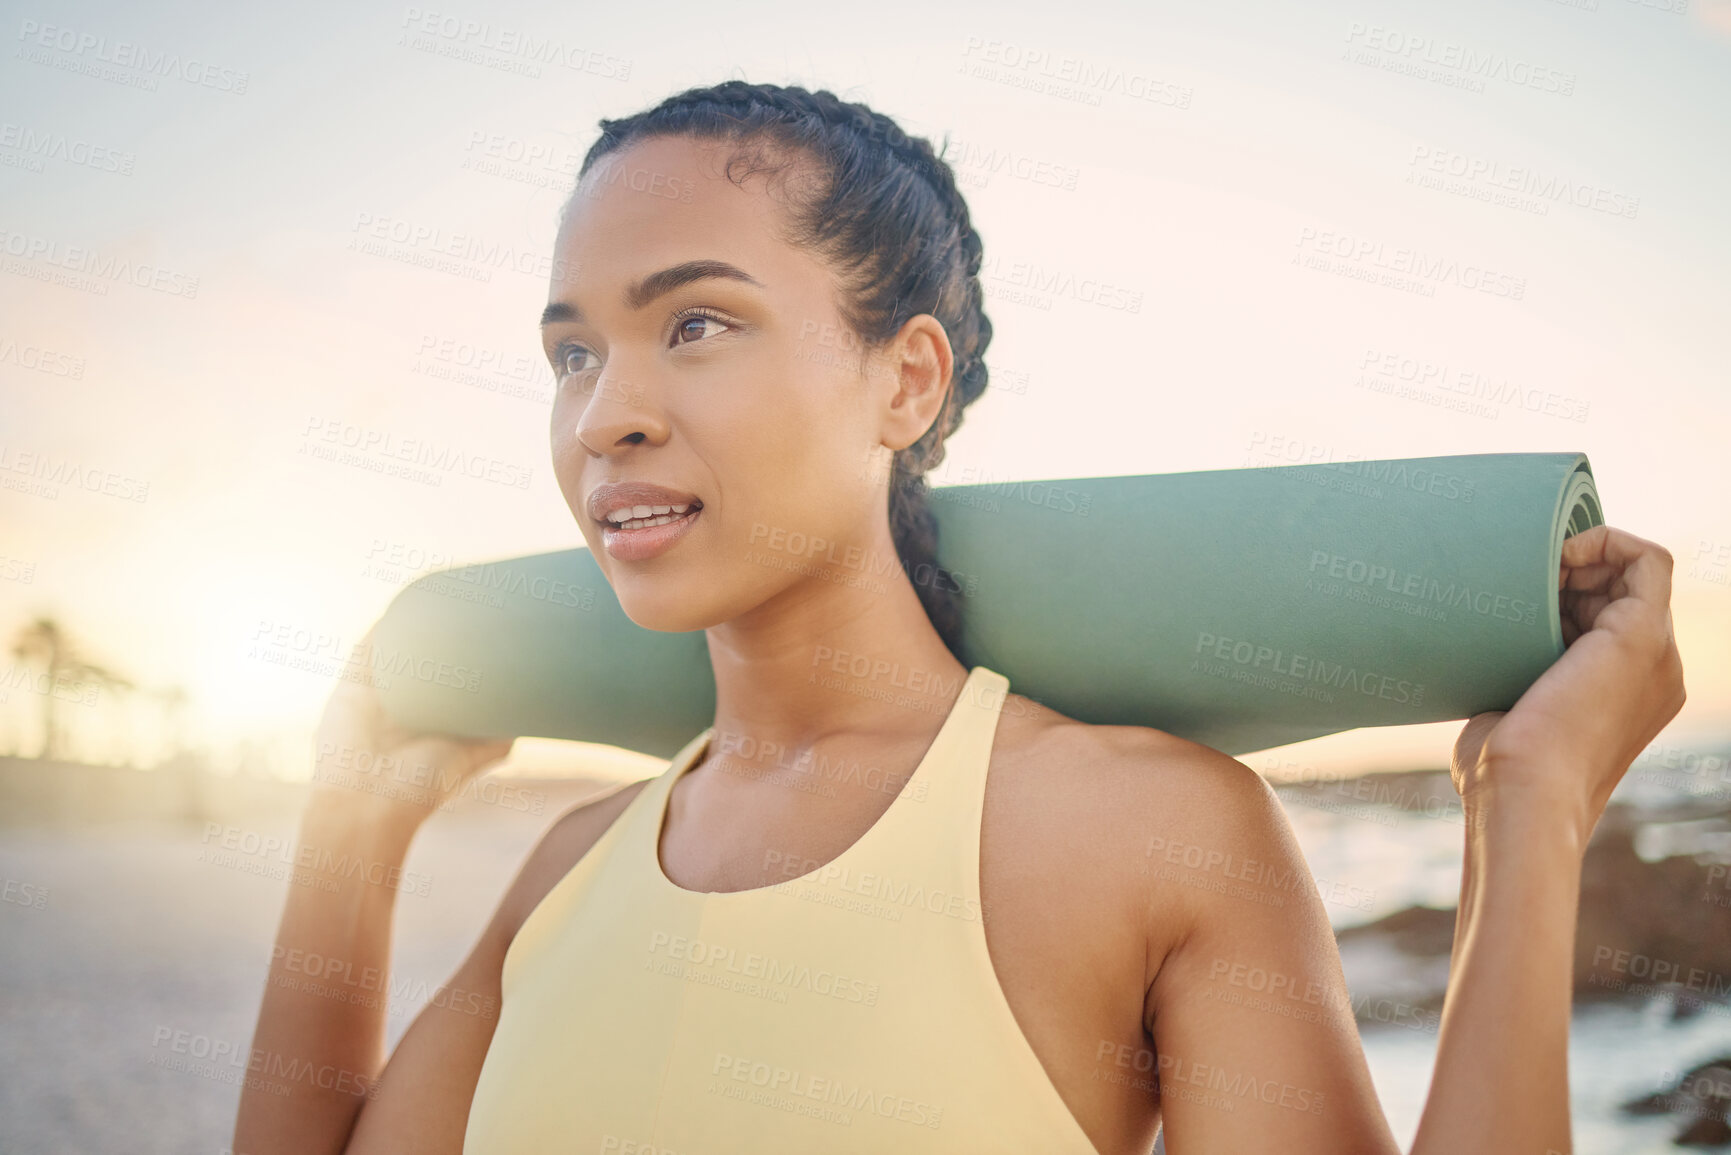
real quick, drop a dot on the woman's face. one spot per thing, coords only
(697, 351)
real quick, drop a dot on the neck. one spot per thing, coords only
(826, 659)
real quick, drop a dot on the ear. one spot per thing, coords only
(918, 364)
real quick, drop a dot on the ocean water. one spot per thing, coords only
(1398, 857)
(1615, 1054)
(139, 949)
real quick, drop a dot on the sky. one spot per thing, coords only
(337, 217)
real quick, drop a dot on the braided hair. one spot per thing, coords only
(886, 212)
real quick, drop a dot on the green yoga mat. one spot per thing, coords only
(1240, 608)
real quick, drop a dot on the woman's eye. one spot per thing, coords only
(574, 359)
(691, 328)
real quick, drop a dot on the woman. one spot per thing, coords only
(765, 319)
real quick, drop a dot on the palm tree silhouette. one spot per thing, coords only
(45, 643)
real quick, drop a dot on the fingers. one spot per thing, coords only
(1592, 556)
(1580, 609)
(1582, 577)
(1604, 564)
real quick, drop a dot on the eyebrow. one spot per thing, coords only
(656, 285)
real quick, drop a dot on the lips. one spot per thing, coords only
(638, 504)
(640, 521)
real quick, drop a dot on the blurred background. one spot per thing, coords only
(1339, 230)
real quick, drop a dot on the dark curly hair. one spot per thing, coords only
(886, 212)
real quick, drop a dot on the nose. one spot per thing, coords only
(616, 414)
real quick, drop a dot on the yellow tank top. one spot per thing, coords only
(852, 1007)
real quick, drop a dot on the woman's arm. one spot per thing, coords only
(1534, 782)
(315, 1059)
(1501, 1081)
(1258, 1048)
(426, 1088)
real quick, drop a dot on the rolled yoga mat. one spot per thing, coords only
(1240, 608)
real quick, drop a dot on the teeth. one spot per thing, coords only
(644, 516)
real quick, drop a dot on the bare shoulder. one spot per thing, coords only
(1147, 775)
(1129, 802)
(563, 845)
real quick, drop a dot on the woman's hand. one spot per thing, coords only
(365, 761)
(1570, 738)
